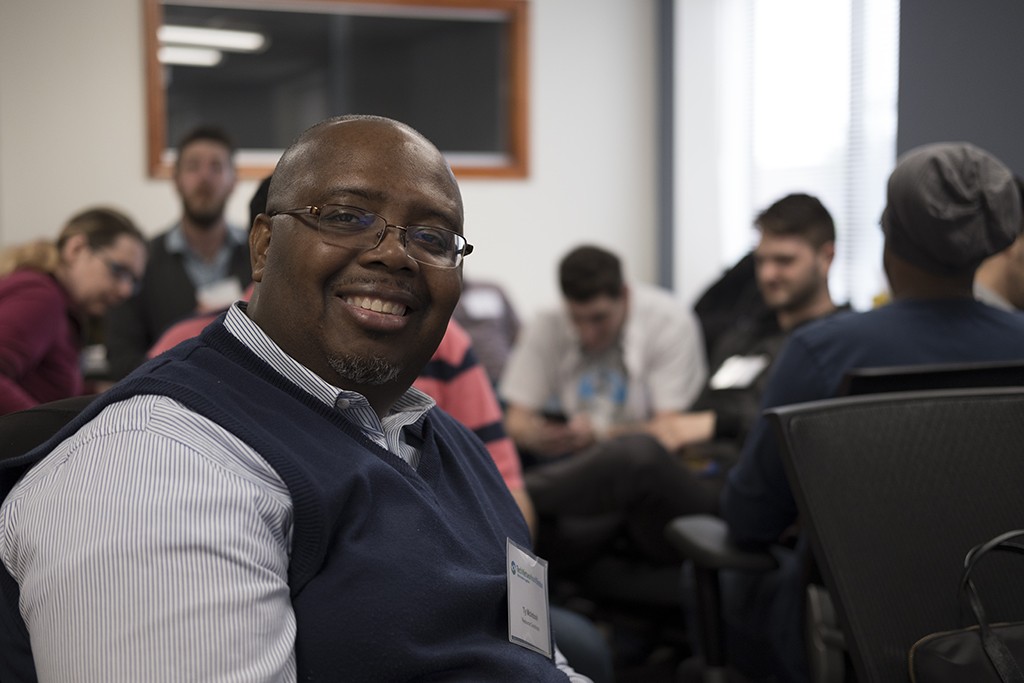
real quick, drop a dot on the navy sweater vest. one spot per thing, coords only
(396, 574)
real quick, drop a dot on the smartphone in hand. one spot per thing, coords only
(555, 416)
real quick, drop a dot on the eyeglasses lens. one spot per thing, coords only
(346, 226)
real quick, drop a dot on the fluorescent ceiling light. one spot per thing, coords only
(233, 41)
(189, 56)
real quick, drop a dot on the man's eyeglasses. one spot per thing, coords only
(355, 228)
(122, 273)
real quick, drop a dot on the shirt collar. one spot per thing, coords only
(176, 244)
(256, 340)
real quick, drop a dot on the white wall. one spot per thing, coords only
(72, 134)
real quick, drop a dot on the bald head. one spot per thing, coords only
(341, 140)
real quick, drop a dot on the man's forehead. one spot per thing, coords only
(349, 186)
(204, 147)
(361, 134)
(364, 143)
(598, 305)
(780, 245)
(375, 173)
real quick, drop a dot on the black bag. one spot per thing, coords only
(979, 653)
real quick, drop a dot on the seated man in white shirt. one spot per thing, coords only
(604, 377)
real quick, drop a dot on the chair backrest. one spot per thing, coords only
(22, 431)
(893, 490)
(935, 376)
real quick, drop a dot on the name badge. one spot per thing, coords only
(483, 304)
(529, 621)
(738, 372)
(218, 295)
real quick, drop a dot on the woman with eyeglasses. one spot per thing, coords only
(48, 292)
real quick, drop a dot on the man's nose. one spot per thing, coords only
(399, 234)
(589, 334)
(124, 289)
(768, 272)
(395, 244)
(208, 172)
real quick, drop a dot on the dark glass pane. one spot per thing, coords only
(447, 78)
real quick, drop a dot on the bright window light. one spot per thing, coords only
(781, 96)
(232, 41)
(189, 56)
(801, 85)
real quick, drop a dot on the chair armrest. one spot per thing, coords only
(705, 540)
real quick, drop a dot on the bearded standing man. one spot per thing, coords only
(199, 264)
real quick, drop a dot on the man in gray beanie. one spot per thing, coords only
(999, 280)
(950, 206)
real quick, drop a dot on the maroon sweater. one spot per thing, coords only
(40, 340)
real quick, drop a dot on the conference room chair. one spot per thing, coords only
(22, 431)
(893, 490)
(704, 539)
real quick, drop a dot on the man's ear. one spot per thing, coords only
(1016, 249)
(828, 252)
(259, 245)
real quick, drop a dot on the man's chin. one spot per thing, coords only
(778, 300)
(365, 371)
(596, 349)
(206, 223)
(791, 303)
(204, 220)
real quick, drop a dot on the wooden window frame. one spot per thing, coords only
(514, 162)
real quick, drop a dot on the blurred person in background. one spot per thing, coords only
(48, 292)
(487, 315)
(999, 280)
(950, 206)
(200, 264)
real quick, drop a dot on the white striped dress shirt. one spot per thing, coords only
(172, 566)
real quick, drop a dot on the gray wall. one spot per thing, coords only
(962, 75)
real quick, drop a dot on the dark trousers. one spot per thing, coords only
(764, 619)
(621, 490)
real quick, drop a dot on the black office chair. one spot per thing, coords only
(892, 490)
(704, 539)
(22, 431)
(933, 376)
